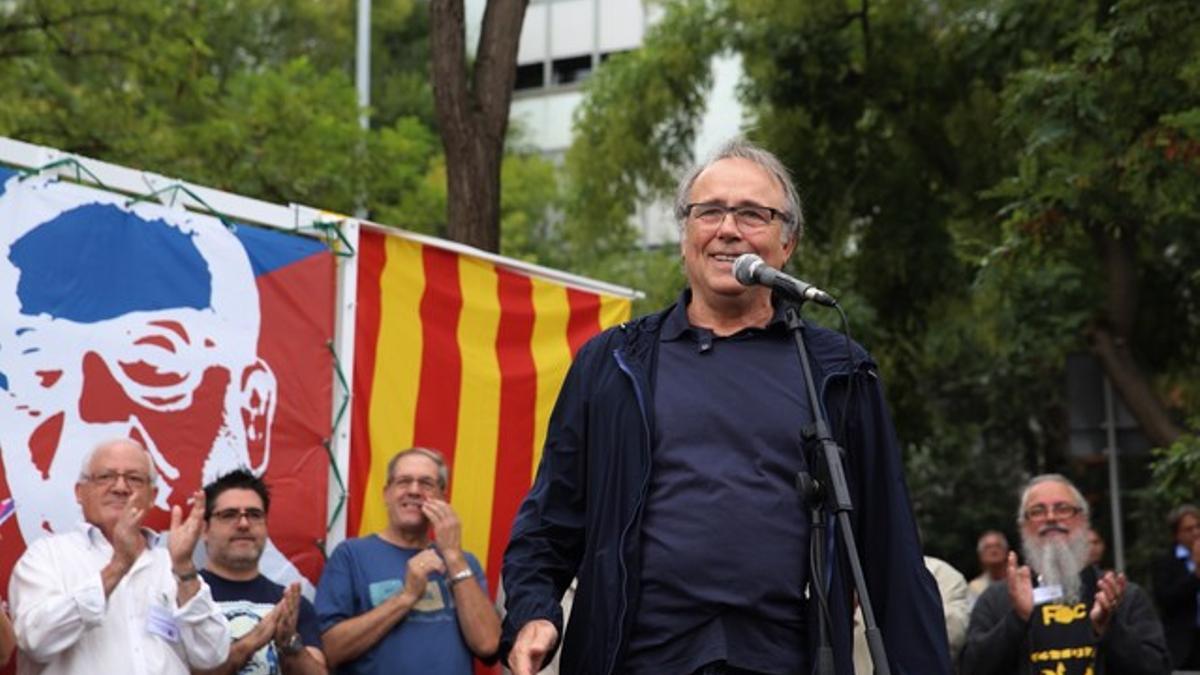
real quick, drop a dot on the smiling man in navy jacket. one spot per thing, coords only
(667, 480)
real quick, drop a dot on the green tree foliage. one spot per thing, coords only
(991, 185)
(253, 96)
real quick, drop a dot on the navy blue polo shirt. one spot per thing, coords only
(724, 534)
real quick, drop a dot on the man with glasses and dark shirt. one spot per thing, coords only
(1058, 614)
(1177, 587)
(667, 482)
(274, 630)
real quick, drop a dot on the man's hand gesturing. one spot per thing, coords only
(1020, 587)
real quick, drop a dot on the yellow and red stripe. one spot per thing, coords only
(466, 356)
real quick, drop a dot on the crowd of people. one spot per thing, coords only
(665, 501)
(112, 595)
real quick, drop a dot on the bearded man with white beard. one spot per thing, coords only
(1058, 614)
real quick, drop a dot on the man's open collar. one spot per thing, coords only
(676, 323)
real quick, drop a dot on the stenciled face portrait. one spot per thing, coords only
(123, 320)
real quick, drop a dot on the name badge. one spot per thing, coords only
(162, 623)
(1044, 594)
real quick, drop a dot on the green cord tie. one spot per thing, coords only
(176, 188)
(80, 169)
(332, 229)
(337, 420)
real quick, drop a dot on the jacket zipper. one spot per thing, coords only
(612, 662)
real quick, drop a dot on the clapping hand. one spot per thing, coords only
(127, 541)
(289, 613)
(1109, 591)
(185, 532)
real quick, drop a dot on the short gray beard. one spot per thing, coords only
(1058, 561)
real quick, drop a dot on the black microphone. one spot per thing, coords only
(751, 270)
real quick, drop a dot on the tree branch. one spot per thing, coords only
(1110, 338)
(496, 62)
(448, 56)
(472, 119)
(1118, 253)
(1133, 387)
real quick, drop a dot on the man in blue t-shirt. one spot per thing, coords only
(274, 629)
(401, 602)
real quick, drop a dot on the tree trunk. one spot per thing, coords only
(1110, 340)
(473, 113)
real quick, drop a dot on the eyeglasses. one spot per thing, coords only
(133, 479)
(1060, 511)
(425, 483)
(749, 216)
(230, 516)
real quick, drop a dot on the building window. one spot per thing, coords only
(573, 69)
(530, 76)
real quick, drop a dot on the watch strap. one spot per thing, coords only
(460, 577)
(292, 646)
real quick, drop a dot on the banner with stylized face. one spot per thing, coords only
(206, 342)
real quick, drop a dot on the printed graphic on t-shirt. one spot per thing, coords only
(243, 616)
(432, 606)
(1062, 640)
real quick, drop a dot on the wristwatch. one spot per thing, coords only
(292, 647)
(460, 577)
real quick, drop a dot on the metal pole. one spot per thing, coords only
(362, 82)
(1114, 483)
(362, 63)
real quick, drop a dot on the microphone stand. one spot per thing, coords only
(816, 495)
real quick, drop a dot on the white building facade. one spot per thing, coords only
(562, 43)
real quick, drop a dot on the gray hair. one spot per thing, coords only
(740, 148)
(990, 533)
(1176, 515)
(1052, 478)
(86, 466)
(443, 471)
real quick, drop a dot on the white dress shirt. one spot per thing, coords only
(64, 624)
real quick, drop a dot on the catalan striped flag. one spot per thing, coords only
(464, 355)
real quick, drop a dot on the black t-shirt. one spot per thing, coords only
(244, 603)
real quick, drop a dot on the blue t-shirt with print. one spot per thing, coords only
(362, 573)
(245, 603)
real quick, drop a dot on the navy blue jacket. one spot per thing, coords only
(582, 516)
(1175, 589)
